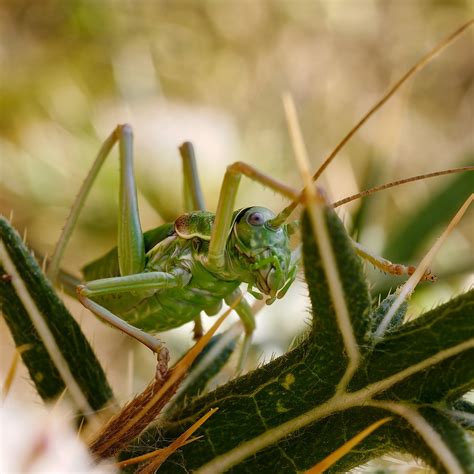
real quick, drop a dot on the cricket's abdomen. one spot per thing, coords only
(168, 309)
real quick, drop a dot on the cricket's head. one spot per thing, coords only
(262, 251)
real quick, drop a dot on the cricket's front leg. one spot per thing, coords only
(387, 266)
(141, 281)
(246, 315)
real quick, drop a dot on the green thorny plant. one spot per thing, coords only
(300, 407)
(297, 409)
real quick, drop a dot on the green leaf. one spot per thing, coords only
(73, 346)
(441, 434)
(377, 316)
(325, 332)
(453, 437)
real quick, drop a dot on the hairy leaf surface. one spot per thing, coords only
(71, 341)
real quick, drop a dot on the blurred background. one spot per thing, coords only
(213, 72)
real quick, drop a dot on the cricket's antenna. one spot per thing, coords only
(399, 182)
(414, 69)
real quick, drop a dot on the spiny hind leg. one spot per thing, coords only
(131, 247)
(193, 196)
(387, 266)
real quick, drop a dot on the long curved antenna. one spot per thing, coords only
(414, 69)
(399, 182)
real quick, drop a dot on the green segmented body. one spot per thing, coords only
(183, 247)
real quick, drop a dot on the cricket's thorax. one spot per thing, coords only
(169, 308)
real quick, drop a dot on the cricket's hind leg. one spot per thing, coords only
(131, 247)
(130, 243)
(193, 201)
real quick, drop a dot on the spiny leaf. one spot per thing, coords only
(446, 333)
(340, 452)
(379, 313)
(325, 331)
(462, 411)
(67, 333)
(201, 380)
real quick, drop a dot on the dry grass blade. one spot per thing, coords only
(314, 205)
(143, 409)
(330, 460)
(151, 455)
(39, 323)
(153, 465)
(12, 370)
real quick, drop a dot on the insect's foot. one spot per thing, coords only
(427, 276)
(198, 330)
(163, 358)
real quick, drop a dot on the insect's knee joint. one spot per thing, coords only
(81, 290)
(236, 167)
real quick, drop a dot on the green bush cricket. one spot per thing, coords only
(164, 278)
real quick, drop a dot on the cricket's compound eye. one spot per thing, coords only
(256, 218)
(251, 230)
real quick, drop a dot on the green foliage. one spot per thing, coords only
(68, 336)
(297, 409)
